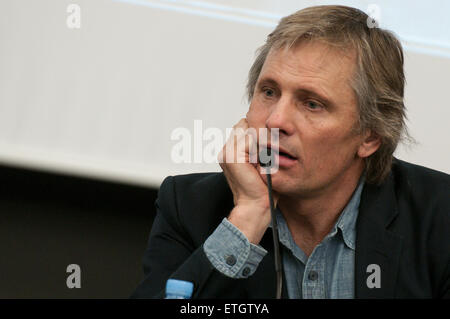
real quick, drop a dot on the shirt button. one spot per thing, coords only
(246, 271)
(313, 275)
(230, 260)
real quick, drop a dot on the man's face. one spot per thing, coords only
(305, 92)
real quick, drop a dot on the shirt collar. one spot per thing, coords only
(347, 220)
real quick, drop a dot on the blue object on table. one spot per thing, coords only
(179, 289)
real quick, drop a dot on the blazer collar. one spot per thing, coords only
(377, 248)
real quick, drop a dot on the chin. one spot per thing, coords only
(282, 184)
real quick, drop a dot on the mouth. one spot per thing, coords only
(287, 155)
(281, 152)
(283, 157)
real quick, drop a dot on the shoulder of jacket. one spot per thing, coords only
(189, 184)
(424, 189)
(420, 175)
(426, 184)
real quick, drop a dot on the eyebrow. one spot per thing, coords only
(303, 90)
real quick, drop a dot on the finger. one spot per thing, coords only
(237, 146)
(240, 127)
(242, 123)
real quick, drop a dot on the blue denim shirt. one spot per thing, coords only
(327, 273)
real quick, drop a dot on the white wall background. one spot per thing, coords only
(103, 100)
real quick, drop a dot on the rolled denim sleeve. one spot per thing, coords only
(231, 253)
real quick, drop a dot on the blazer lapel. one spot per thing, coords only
(377, 249)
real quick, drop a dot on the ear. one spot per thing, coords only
(370, 144)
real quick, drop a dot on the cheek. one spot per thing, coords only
(256, 116)
(330, 147)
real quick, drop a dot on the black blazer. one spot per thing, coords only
(403, 226)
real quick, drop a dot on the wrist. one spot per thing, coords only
(251, 220)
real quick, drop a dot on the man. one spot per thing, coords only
(354, 222)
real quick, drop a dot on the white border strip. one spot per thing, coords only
(269, 20)
(209, 11)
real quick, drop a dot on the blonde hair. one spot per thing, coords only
(378, 81)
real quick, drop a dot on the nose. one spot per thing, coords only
(281, 116)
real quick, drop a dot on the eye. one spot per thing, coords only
(313, 105)
(268, 92)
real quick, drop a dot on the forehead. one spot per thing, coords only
(312, 64)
